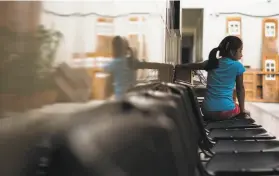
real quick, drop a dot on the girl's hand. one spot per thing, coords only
(246, 113)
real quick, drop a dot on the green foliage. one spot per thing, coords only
(49, 41)
(26, 60)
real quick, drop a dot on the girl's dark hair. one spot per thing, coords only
(118, 46)
(227, 48)
(130, 58)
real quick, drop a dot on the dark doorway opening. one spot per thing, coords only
(186, 55)
(187, 49)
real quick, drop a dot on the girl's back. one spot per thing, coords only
(220, 85)
(122, 75)
(119, 67)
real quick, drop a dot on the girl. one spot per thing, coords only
(223, 75)
(119, 68)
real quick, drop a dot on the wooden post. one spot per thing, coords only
(20, 16)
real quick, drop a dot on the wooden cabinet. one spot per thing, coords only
(258, 89)
(101, 84)
(104, 36)
(104, 45)
(250, 83)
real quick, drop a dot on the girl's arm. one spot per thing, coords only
(109, 67)
(194, 66)
(240, 91)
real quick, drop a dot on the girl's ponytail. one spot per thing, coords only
(213, 62)
(131, 58)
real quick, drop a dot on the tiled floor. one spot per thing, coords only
(272, 108)
(267, 115)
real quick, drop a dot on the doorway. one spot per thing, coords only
(192, 35)
(187, 49)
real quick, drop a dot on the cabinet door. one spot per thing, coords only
(250, 80)
(270, 91)
(104, 36)
(104, 45)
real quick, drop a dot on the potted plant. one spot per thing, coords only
(27, 67)
(49, 41)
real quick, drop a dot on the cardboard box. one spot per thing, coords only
(74, 82)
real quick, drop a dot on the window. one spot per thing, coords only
(270, 30)
(234, 27)
(270, 67)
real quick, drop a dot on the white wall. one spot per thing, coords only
(215, 26)
(199, 40)
(80, 32)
